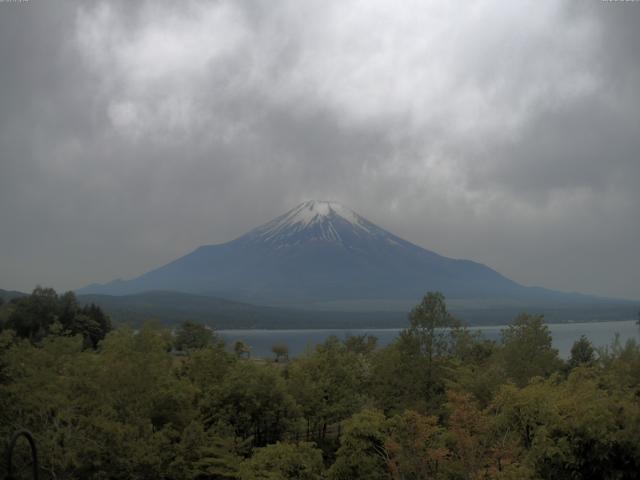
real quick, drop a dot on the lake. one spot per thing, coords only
(299, 341)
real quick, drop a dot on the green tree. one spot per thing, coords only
(361, 344)
(281, 351)
(431, 328)
(527, 349)
(5, 312)
(118, 413)
(328, 385)
(191, 336)
(397, 379)
(242, 349)
(582, 353)
(44, 312)
(412, 372)
(621, 363)
(363, 453)
(475, 367)
(204, 454)
(207, 367)
(253, 400)
(580, 428)
(284, 461)
(518, 416)
(34, 315)
(96, 329)
(67, 308)
(416, 447)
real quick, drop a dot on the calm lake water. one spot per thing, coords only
(299, 341)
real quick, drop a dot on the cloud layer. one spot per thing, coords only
(130, 133)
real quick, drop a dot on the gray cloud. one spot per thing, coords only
(130, 133)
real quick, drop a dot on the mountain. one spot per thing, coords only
(323, 255)
(171, 308)
(8, 295)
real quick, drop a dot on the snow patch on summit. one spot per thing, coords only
(316, 211)
(312, 214)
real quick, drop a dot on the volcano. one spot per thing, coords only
(323, 253)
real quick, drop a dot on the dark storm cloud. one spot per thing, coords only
(132, 132)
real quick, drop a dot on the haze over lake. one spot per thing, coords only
(601, 334)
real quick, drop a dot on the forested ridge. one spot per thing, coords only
(438, 403)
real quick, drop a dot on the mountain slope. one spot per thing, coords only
(8, 295)
(171, 308)
(324, 252)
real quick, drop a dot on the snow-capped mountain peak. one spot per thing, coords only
(316, 211)
(324, 252)
(313, 220)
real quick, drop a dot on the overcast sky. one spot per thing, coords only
(503, 132)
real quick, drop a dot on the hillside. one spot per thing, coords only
(8, 295)
(322, 252)
(170, 308)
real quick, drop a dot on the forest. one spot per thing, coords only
(438, 403)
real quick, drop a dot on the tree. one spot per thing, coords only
(430, 325)
(207, 367)
(527, 349)
(622, 362)
(468, 428)
(101, 318)
(241, 349)
(67, 310)
(361, 344)
(397, 379)
(280, 350)
(253, 400)
(191, 336)
(476, 365)
(416, 447)
(578, 428)
(115, 413)
(284, 461)
(363, 454)
(582, 353)
(431, 330)
(412, 372)
(519, 413)
(204, 454)
(136, 405)
(5, 312)
(44, 312)
(328, 385)
(34, 315)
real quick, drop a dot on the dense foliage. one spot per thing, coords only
(44, 312)
(438, 403)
